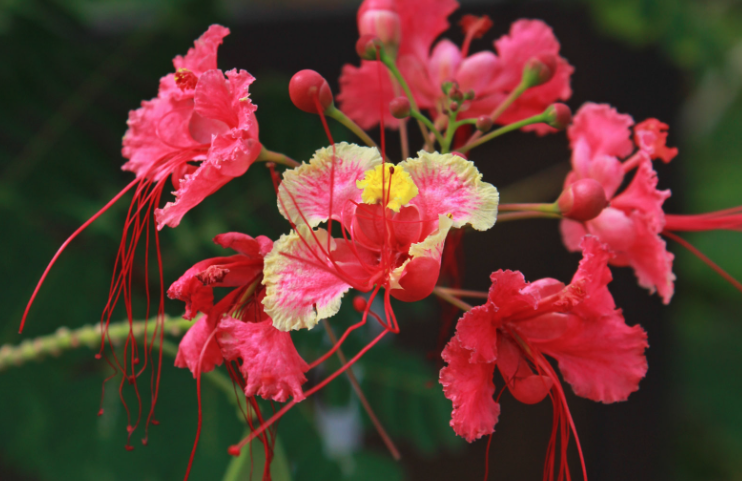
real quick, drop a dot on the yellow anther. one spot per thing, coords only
(393, 184)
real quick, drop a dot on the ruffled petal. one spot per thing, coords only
(470, 388)
(302, 286)
(651, 261)
(476, 330)
(304, 194)
(270, 364)
(192, 344)
(600, 357)
(642, 196)
(448, 184)
(202, 56)
(230, 156)
(605, 130)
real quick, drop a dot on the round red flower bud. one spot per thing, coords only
(558, 115)
(379, 18)
(304, 86)
(539, 69)
(484, 123)
(582, 200)
(366, 47)
(359, 303)
(400, 108)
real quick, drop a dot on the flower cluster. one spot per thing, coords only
(356, 220)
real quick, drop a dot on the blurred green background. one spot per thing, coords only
(71, 69)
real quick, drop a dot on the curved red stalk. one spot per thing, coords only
(727, 277)
(66, 243)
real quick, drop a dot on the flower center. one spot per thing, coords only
(387, 182)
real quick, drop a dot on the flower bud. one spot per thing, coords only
(304, 86)
(454, 106)
(484, 123)
(380, 19)
(469, 95)
(559, 116)
(539, 70)
(400, 108)
(582, 200)
(455, 93)
(366, 47)
(446, 87)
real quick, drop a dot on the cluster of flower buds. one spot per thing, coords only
(392, 220)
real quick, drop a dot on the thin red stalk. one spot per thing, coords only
(66, 243)
(198, 395)
(727, 277)
(235, 448)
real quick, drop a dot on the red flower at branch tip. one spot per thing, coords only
(578, 325)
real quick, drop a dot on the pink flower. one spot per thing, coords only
(491, 76)
(396, 246)
(578, 325)
(631, 225)
(237, 328)
(199, 115)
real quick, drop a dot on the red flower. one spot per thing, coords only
(631, 225)
(578, 325)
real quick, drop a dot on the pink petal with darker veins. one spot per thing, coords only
(192, 344)
(470, 388)
(270, 364)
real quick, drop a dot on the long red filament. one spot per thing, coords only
(66, 243)
(727, 277)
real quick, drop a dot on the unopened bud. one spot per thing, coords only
(359, 303)
(367, 46)
(446, 87)
(454, 106)
(455, 93)
(380, 19)
(539, 70)
(582, 200)
(400, 108)
(305, 86)
(558, 115)
(470, 95)
(484, 123)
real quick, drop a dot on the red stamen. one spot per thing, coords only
(66, 243)
(727, 277)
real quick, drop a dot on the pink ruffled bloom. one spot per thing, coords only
(237, 328)
(398, 247)
(491, 76)
(631, 225)
(578, 325)
(198, 115)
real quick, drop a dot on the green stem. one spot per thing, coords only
(526, 215)
(450, 131)
(65, 339)
(276, 157)
(546, 208)
(390, 63)
(422, 118)
(503, 130)
(338, 115)
(517, 92)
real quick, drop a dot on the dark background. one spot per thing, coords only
(71, 71)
